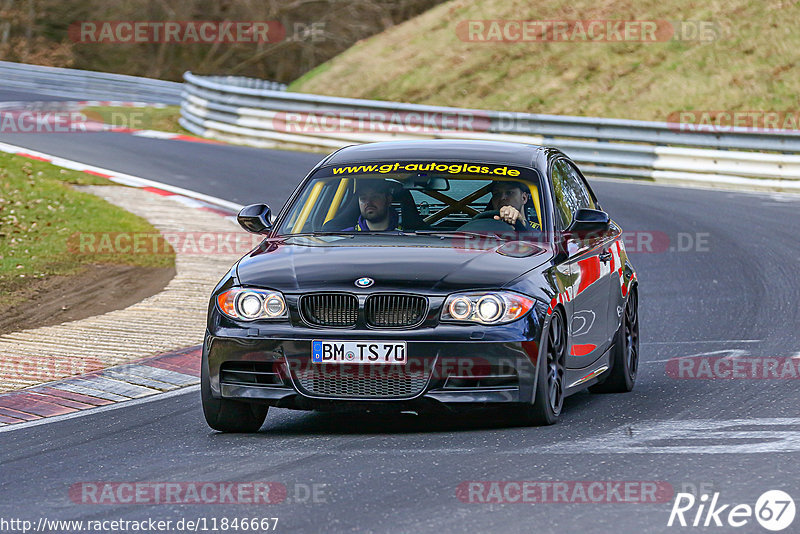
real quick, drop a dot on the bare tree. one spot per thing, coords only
(37, 31)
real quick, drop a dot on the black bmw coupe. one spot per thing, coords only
(424, 275)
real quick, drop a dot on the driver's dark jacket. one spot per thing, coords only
(361, 224)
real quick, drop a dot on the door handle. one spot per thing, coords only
(605, 257)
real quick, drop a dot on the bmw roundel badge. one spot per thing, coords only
(364, 282)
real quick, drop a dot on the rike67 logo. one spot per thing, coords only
(774, 510)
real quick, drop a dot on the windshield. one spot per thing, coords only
(416, 197)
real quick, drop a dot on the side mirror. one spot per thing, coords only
(255, 218)
(588, 220)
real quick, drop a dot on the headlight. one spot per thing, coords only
(460, 308)
(494, 307)
(252, 304)
(489, 308)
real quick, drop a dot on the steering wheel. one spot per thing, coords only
(518, 225)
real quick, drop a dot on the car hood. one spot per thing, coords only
(302, 264)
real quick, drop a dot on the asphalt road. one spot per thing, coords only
(733, 292)
(234, 173)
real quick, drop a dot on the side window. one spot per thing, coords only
(565, 200)
(577, 184)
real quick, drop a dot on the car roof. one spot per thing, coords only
(468, 151)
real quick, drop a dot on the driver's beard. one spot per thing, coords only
(379, 217)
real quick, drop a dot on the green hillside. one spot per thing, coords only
(751, 64)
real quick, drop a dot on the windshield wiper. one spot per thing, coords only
(459, 233)
(437, 233)
(312, 234)
(342, 233)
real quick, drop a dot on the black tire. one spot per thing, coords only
(549, 396)
(625, 353)
(228, 415)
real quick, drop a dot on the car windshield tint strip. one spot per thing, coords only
(402, 197)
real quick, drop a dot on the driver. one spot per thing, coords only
(375, 205)
(509, 198)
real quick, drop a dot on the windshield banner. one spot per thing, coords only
(450, 168)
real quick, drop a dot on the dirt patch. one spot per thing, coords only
(98, 289)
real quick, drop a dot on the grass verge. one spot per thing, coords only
(40, 217)
(147, 118)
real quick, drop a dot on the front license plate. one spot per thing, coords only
(366, 352)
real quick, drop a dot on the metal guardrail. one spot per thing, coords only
(85, 85)
(253, 112)
(245, 83)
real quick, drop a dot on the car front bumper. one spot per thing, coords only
(278, 371)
